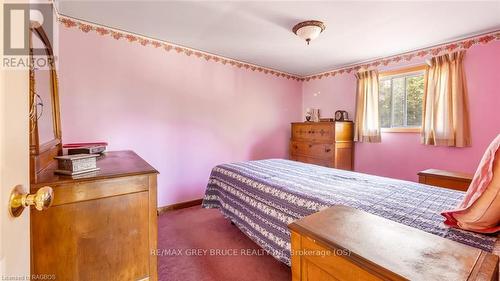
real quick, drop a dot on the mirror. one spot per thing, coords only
(45, 134)
(43, 94)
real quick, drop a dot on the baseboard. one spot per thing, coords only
(178, 206)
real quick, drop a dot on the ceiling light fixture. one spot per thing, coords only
(309, 30)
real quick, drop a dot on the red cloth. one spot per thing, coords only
(479, 184)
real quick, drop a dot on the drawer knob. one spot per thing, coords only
(327, 150)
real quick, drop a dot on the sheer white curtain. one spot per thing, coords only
(367, 126)
(446, 113)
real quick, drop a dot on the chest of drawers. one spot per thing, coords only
(101, 225)
(328, 144)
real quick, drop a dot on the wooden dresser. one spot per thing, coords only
(101, 226)
(342, 243)
(327, 144)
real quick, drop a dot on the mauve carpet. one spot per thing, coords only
(200, 244)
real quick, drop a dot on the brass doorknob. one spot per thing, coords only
(19, 200)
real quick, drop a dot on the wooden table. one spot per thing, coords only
(446, 179)
(342, 243)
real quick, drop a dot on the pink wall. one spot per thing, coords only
(400, 155)
(185, 115)
(182, 114)
(331, 94)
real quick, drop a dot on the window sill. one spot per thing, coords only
(400, 130)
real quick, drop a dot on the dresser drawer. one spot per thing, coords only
(329, 264)
(101, 239)
(313, 131)
(301, 131)
(84, 191)
(311, 160)
(315, 150)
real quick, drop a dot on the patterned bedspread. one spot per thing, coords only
(263, 197)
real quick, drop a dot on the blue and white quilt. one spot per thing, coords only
(262, 197)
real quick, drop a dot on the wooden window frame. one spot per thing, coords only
(401, 130)
(402, 71)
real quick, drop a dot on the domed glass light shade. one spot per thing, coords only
(309, 30)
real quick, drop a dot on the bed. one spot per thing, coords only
(262, 197)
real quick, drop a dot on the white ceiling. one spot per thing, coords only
(259, 32)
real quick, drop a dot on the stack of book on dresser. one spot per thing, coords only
(86, 147)
(81, 158)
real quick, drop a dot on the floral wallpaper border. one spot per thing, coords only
(146, 41)
(463, 44)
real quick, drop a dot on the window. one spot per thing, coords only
(400, 98)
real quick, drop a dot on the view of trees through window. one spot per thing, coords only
(400, 100)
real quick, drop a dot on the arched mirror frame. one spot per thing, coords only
(42, 154)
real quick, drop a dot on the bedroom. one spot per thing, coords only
(184, 90)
